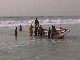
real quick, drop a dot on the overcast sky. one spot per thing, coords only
(39, 7)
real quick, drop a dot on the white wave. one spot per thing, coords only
(7, 23)
(46, 21)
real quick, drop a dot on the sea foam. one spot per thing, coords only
(13, 23)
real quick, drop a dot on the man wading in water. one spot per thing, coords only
(36, 26)
(16, 33)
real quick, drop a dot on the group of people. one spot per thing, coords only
(51, 32)
(20, 29)
(39, 31)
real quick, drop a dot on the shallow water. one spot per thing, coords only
(37, 48)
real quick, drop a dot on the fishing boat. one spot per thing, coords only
(60, 33)
(57, 33)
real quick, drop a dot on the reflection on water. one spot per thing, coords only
(16, 38)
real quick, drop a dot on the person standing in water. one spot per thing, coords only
(20, 28)
(36, 26)
(41, 30)
(16, 31)
(31, 30)
(36, 22)
(49, 32)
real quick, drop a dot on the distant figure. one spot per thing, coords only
(20, 28)
(31, 30)
(16, 31)
(53, 31)
(49, 32)
(36, 26)
(36, 21)
(41, 30)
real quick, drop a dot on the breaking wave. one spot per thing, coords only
(10, 23)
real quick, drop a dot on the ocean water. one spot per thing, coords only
(44, 20)
(25, 47)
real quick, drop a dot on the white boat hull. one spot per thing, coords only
(61, 33)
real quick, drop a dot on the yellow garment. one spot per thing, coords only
(31, 30)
